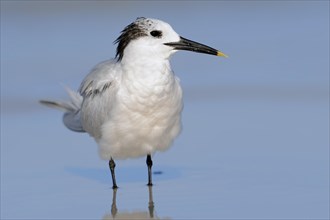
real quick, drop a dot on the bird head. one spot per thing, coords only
(152, 38)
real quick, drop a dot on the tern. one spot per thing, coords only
(131, 104)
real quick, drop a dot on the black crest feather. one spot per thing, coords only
(130, 32)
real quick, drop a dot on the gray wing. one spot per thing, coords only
(98, 89)
(99, 79)
(72, 121)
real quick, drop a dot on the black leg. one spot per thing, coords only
(112, 166)
(149, 164)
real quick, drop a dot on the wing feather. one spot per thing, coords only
(98, 89)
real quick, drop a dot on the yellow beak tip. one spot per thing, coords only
(220, 54)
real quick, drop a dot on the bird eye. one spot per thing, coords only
(157, 34)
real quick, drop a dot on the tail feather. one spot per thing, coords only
(62, 106)
(71, 117)
(76, 98)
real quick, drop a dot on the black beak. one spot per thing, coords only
(185, 44)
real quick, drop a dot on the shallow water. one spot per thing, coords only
(255, 140)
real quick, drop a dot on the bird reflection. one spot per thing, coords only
(150, 214)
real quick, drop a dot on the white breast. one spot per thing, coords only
(147, 116)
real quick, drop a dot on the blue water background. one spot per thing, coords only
(255, 142)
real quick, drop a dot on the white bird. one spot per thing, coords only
(131, 105)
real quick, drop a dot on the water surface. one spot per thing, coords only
(255, 142)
